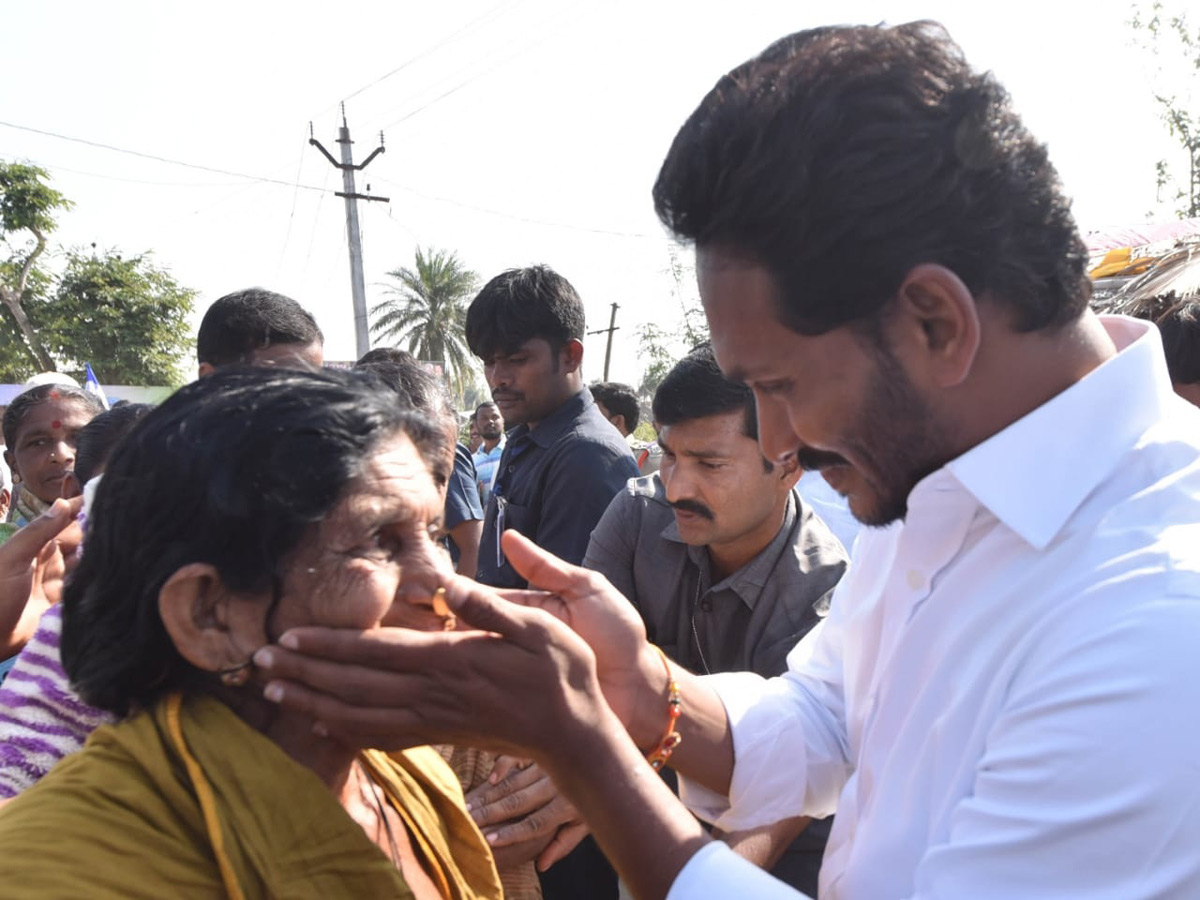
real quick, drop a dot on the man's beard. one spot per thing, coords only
(491, 435)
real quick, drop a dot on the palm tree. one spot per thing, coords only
(427, 311)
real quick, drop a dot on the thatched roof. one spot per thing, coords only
(1170, 278)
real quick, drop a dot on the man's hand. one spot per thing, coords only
(629, 669)
(524, 811)
(33, 563)
(396, 687)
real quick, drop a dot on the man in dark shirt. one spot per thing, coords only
(564, 462)
(728, 567)
(561, 467)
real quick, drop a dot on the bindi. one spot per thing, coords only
(56, 424)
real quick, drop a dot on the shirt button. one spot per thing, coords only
(706, 605)
(511, 467)
(915, 579)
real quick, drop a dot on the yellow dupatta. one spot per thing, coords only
(188, 800)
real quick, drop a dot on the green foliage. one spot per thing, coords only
(1173, 43)
(426, 311)
(125, 316)
(645, 432)
(27, 203)
(661, 348)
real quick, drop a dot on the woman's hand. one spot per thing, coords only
(33, 563)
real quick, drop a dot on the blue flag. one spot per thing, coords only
(92, 385)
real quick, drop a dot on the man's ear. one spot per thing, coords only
(11, 462)
(789, 472)
(196, 609)
(937, 327)
(572, 354)
(205, 370)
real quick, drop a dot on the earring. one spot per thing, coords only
(236, 676)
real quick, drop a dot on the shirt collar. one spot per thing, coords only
(551, 428)
(1032, 479)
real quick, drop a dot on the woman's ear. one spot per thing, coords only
(199, 613)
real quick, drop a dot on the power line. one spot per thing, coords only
(532, 221)
(187, 184)
(503, 61)
(161, 159)
(493, 13)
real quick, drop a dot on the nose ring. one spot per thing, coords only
(441, 609)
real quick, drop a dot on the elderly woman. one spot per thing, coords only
(249, 503)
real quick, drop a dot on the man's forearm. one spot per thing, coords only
(705, 755)
(643, 829)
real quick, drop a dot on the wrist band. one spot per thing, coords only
(672, 739)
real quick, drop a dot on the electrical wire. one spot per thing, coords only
(12, 157)
(161, 159)
(478, 21)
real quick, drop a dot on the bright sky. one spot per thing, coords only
(517, 131)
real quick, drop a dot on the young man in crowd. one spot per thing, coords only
(562, 464)
(258, 327)
(617, 403)
(490, 425)
(998, 704)
(724, 562)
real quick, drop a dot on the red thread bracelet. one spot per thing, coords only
(672, 739)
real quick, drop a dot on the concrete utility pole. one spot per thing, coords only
(358, 288)
(612, 326)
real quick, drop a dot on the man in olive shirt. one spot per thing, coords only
(727, 566)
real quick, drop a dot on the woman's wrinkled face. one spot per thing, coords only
(373, 560)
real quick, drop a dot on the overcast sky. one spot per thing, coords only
(517, 131)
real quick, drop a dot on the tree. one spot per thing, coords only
(662, 347)
(1175, 47)
(125, 316)
(427, 310)
(27, 207)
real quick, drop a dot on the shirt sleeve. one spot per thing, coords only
(582, 482)
(717, 873)
(611, 548)
(462, 493)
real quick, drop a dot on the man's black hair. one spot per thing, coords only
(619, 399)
(24, 402)
(842, 157)
(97, 439)
(416, 389)
(385, 355)
(1180, 327)
(696, 388)
(521, 304)
(232, 471)
(239, 323)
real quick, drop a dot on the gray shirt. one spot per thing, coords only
(748, 621)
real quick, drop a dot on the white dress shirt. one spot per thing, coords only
(1003, 700)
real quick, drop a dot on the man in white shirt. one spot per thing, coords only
(1001, 702)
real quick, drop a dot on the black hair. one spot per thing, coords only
(19, 408)
(239, 323)
(486, 404)
(416, 387)
(619, 399)
(1180, 327)
(696, 388)
(521, 304)
(386, 355)
(96, 440)
(233, 471)
(841, 157)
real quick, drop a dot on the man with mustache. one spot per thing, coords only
(561, 466)
(725, 563)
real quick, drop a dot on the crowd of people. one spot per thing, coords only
(904, 604)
